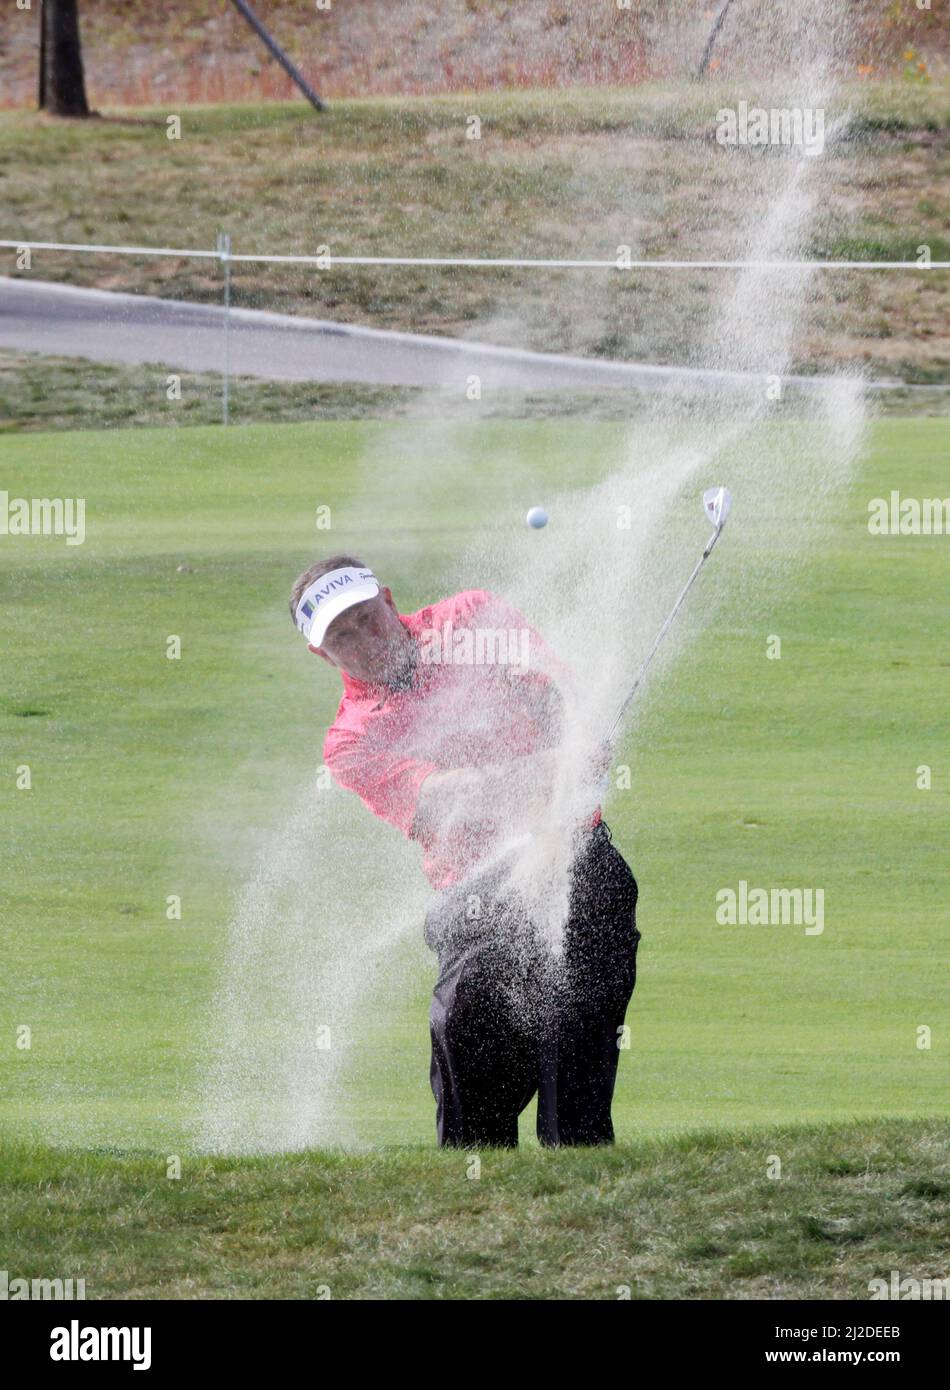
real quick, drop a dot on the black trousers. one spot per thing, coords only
(508, 1019)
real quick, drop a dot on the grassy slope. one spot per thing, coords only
(694, 1218)
(160, 777)
(574, 175)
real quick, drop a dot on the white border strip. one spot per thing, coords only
(327, 262)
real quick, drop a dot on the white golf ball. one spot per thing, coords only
(536, 518)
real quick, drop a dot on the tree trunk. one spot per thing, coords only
(62, 85)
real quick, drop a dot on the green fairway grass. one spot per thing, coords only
(711, 1216)
(153, 777)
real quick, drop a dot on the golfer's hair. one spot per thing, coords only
(335, 562)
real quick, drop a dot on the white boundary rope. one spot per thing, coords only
(327, 261)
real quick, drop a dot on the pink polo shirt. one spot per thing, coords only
(483, 697)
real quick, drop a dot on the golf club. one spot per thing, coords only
(716, 503)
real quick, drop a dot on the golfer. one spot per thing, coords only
(449, 728)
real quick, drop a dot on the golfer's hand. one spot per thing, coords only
(601, 760)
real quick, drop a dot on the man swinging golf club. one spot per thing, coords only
(449, 728)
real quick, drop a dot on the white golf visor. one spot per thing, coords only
(331, 595)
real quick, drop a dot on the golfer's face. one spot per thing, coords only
(367, 641)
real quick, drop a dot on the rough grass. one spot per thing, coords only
(54, 393)
(693, 1217)
(575, 174)
(59, 393)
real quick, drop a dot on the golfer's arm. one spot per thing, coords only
(520, 788)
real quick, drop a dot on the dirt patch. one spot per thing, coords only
(138, 53)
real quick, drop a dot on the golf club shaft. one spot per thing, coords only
(663, 631)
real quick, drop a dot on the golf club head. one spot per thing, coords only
(716, 504)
